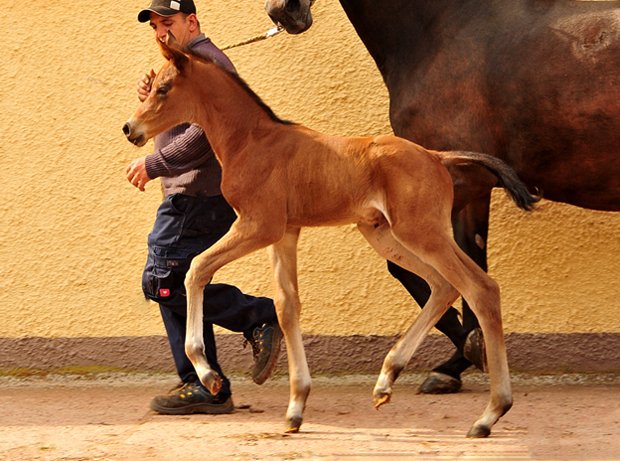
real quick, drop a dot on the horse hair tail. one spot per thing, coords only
(507, 177)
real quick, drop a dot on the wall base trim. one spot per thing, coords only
(577, 352)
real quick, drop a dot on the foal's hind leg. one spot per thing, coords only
(441, 298)
(288, 307)
(438, 249)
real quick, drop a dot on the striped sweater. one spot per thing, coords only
(183, 158)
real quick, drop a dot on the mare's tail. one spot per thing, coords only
(506, 176)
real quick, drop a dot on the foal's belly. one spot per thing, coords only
(336, 214)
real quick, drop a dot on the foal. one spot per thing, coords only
(280, 176)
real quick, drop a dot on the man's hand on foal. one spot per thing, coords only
(136, 173)
(144, 85)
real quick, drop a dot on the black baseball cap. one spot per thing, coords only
(167, 8)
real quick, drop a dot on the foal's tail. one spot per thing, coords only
(457, 163)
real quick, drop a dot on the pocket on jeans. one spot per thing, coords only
(180, 202)
(157, 283)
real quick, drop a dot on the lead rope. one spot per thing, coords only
(259, 38)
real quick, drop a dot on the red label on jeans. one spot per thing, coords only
(164, 292)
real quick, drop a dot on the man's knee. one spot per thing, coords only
(163, 280)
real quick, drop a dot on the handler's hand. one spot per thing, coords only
(144, 85)
(136, 173)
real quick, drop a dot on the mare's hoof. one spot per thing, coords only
(478, 432)
(293, 425)
(381, 398)
(474, 349)
(440, 383)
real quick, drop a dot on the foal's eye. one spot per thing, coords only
(163, 90)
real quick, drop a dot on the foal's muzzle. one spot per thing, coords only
(135, 138)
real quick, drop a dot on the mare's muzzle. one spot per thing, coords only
(294, 15)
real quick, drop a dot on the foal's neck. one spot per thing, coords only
(226, 111)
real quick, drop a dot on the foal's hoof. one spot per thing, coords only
(440, 383)
(293, 425)
(478, 432)
(474, 349)
(381, 398)
(212, 381)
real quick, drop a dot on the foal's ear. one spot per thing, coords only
(171, 49)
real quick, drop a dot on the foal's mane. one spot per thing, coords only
(242, 83)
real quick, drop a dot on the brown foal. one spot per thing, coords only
(280, 177)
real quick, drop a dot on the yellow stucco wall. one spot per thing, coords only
(73, 230)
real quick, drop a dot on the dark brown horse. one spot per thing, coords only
(533, 82)
(280, 177)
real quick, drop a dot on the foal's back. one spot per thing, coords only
(336, 180)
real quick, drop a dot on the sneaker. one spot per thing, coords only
(266, 342)
(192, 398)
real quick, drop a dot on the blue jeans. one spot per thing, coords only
(185, 227)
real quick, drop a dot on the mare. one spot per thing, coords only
(535, 83)
(280, 177)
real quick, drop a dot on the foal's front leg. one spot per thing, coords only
(243, 238)
(288, 307)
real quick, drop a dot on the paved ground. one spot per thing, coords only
(106, 417)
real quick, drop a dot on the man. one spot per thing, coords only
(193, 216)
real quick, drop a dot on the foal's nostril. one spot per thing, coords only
(126, 129)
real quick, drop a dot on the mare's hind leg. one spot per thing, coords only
(471, 229)
(288, 307)
(441, 298)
